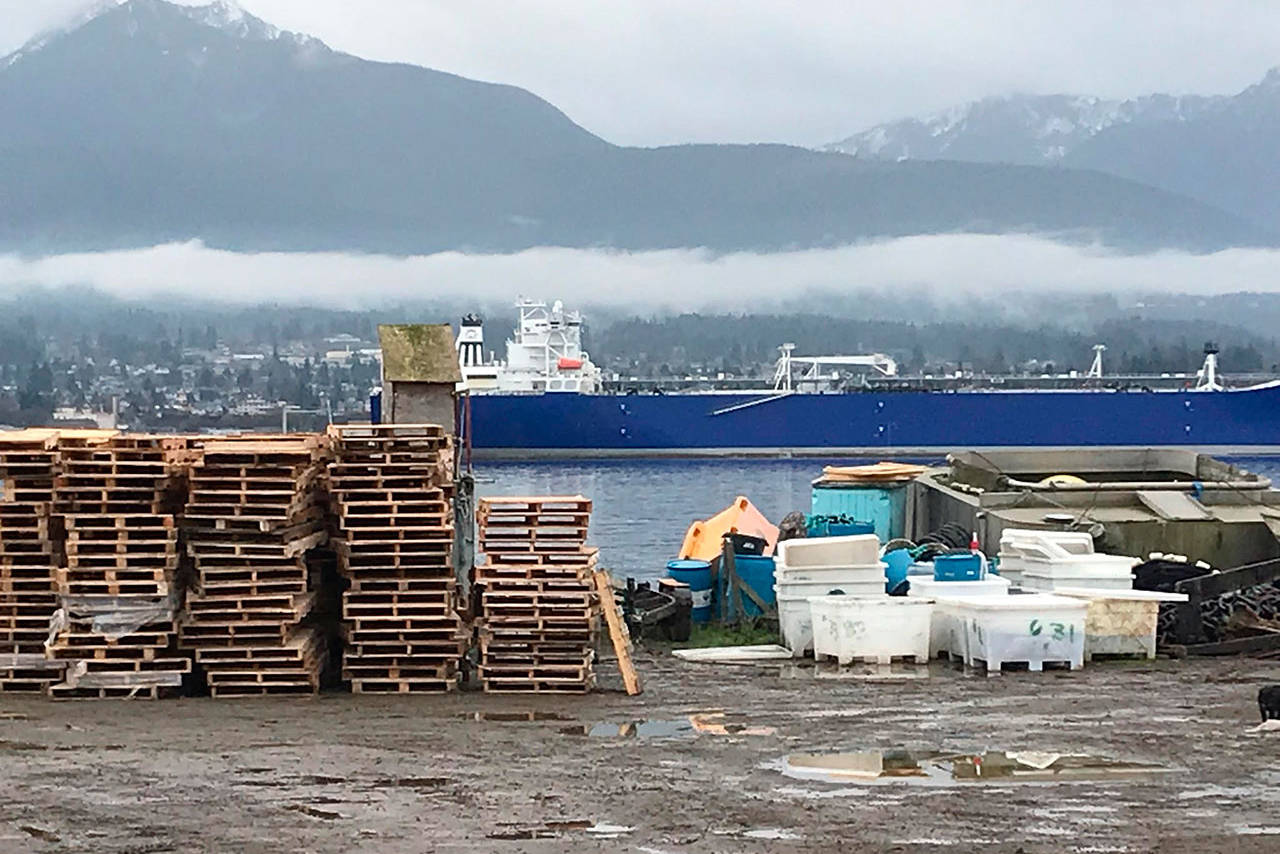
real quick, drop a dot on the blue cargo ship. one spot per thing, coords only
(547, 399)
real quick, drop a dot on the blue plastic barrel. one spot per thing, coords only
(897, 564)
(756, 573)
(696, 574)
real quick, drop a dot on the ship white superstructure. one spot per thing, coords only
(544, 354)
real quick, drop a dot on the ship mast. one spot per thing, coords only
(1207, 379)
(1095, 370)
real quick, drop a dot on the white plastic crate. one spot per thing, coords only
(1044, 563)
(795, 623)
(1048, 583)
(857, 550)
(1120, 622)
(848, 587)
(829, 574)
(1017, 543)
(946, 632)
(871, 628)
(1035, 629)
(923, 585)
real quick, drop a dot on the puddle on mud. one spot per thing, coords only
(514, 717)
(634, 729)
(697, 723)
(932, 768)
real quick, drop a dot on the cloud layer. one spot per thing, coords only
(946, 266)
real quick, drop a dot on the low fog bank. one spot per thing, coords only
(996, 277)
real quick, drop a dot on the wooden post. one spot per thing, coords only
(733, 589)
(617, 632)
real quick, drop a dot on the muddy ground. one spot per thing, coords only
(389, 774)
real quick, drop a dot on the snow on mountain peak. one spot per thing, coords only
(225, 15)
(231, 17)
(85, 15)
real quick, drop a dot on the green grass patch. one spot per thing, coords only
(746, 633)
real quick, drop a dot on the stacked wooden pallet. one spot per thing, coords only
(256, 511)
(391, 486)
(119, 590)
(30, 545)
(539, 605)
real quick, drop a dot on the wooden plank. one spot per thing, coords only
(734, 654)
(617, 632)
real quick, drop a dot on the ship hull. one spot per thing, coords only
(577, 425)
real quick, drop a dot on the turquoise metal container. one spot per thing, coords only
(696, 574)
(883, 505)
(756, 573)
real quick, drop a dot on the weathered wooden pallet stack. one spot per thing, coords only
(30, 546)
(119, 594)
(540, 611)
(256, 509)
(391, 486)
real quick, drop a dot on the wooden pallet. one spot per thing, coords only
(395, 580)
(504, 561)
(287, 607)
(536, 686)
(534, 504)
(199, 635)
(120, 692)
(393, 540)
(365, 559)
(404, 686)
(239, 690)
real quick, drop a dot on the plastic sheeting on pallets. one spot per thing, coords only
(112, 617)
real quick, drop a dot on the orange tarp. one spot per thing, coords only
(705, 540)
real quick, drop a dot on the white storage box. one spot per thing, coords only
(1044, 564)
(1120, 622)
(923, 585)
(1017, 543)
(829, 574)
(946, 633)
(795, 623)
(1050, 583)
(848, 587)
(1035, 628)
(871, 628)
(858, 550)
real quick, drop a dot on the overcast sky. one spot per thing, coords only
(651, 72)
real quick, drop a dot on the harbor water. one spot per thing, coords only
(643, 507)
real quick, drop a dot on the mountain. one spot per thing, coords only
(150, 122)
(1217, 149)
(1033, 130)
